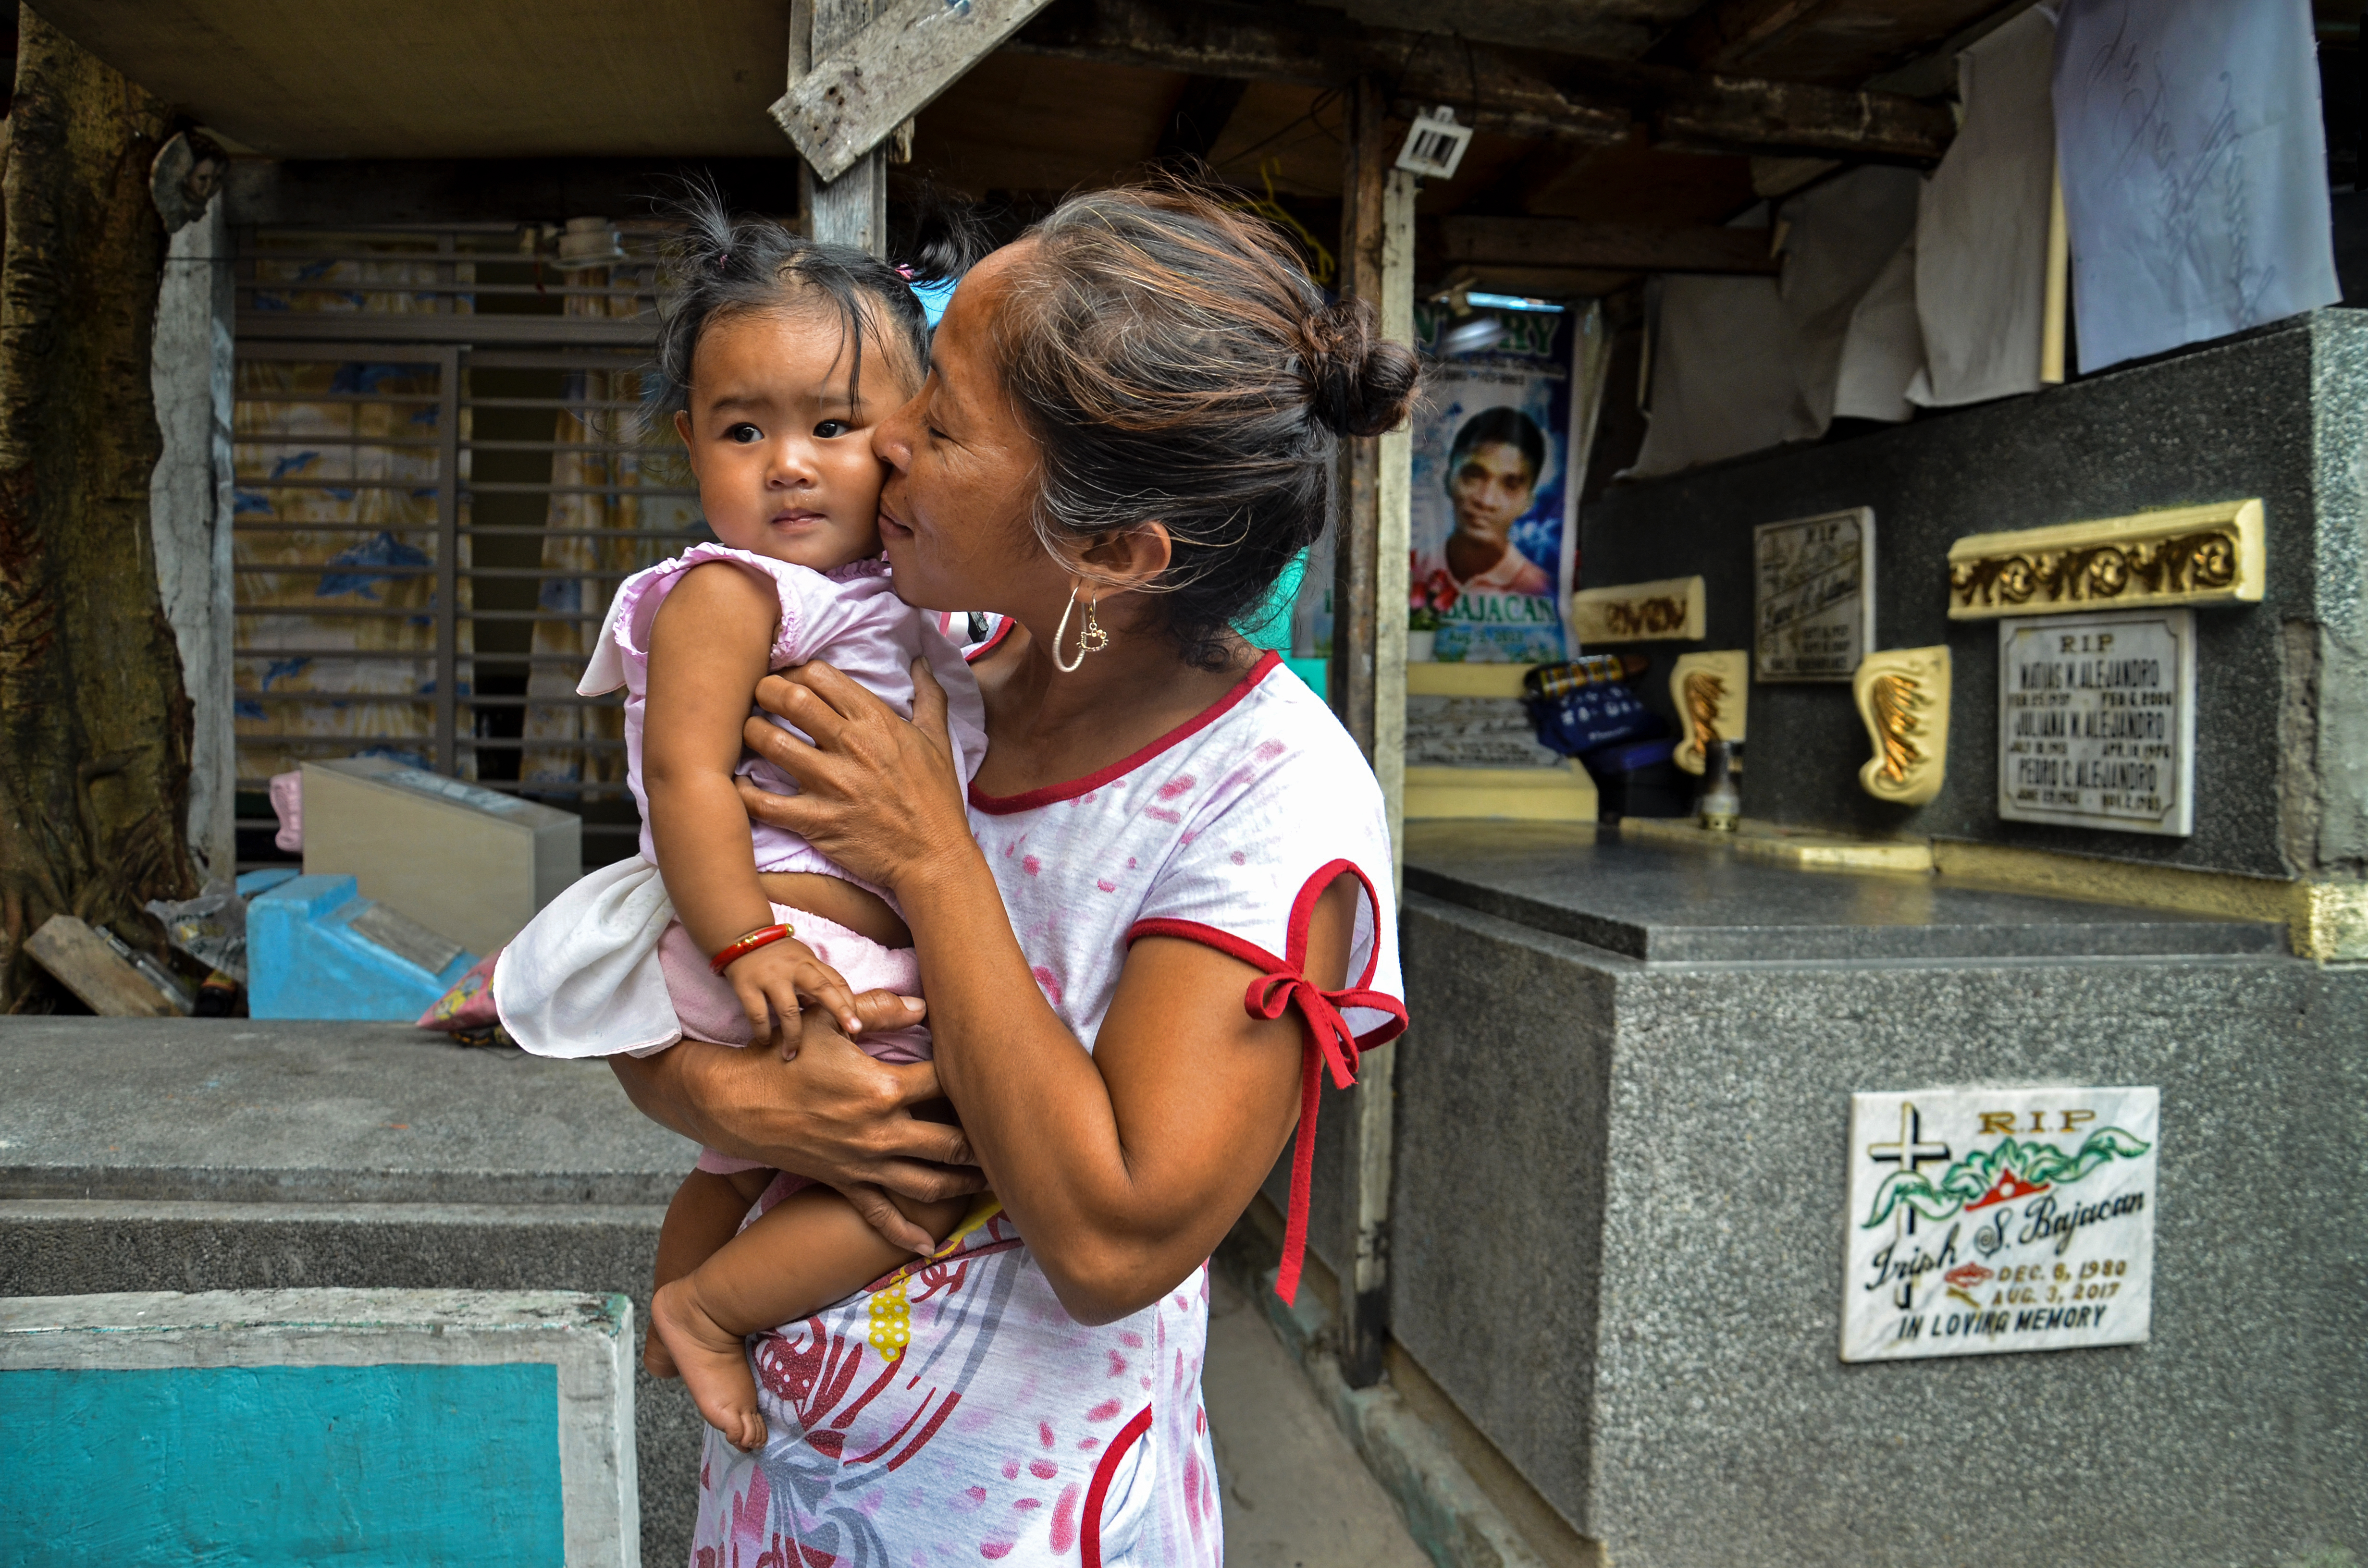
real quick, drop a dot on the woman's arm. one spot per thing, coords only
(710, 644)
(1123, 1167)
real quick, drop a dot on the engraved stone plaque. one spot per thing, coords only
(1812, 597)
(2097, 721)
(1983, 1220)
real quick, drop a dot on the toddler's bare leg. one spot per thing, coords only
(707, 1209)
(809, 1250)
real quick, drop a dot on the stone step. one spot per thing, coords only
(407, 1425)
(73, 1247)
(230, 1155)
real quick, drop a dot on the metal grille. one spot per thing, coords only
(441, 475)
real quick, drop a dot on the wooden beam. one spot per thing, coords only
(1617, 247)
(1728, 32)
(1305, 46)
(1201, 115)
(1240, 42)
(1527, 93)
(860, 87)
(1741, 114)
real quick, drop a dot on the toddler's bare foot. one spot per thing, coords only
(657, 1360)
(714, 1362)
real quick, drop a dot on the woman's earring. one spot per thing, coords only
(1091, 638)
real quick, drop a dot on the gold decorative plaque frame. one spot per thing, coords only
(1903, 701)
(1671, 610)
(1712, 692)
(2186, 555)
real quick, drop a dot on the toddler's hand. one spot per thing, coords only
(770, 983)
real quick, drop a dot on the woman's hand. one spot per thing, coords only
(880, 795)
(833, 1114)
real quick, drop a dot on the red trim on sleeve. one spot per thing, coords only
(1002, 629)
(1090, 1546)
(1004, 805)
(1324, 1037)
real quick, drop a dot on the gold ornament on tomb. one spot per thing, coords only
(2181, 556)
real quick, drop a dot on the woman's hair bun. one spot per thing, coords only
(1359, 383)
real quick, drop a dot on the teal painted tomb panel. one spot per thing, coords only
(257, 1467)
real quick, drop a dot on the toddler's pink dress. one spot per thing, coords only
(606, 968)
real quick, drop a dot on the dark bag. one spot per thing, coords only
(1593, 715)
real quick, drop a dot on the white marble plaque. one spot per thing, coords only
(1813, 596)
(1983, 1220)
(2097, 721)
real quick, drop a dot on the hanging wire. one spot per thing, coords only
(1323, 100)
(1323, 266)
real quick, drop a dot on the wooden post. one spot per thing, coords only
(1393, 488)
(1368, 678)
(853, 209)
(1356, 511)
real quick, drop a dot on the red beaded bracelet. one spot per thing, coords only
(763, 935)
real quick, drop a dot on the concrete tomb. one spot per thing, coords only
(469, 863)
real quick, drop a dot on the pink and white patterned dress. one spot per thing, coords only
(954, 1413)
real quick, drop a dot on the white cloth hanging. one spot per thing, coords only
(1845, 234)
(1740, 364)
(1721, 375)
(1882, 350)
(1981, 226)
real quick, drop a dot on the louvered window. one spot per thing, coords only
(442, 473)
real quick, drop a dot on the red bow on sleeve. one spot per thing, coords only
(1325, 1040)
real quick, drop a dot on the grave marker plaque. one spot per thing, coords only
(1813, 598)
(2097, 721)
(1983, 1220)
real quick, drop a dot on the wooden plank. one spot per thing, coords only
(83, 961)
(860, 89)
(1624, 247)
(853, 209)
(1529, 93)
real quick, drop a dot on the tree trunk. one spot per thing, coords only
(94, 724)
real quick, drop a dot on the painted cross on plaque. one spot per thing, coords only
(1986, 1220)
(1908, 1152)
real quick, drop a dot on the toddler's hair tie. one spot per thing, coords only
(904, 272)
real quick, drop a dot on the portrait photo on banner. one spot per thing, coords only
(1490, 529)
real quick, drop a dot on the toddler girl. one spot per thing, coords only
(779, 357)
